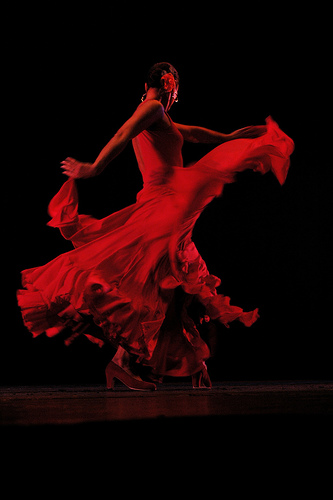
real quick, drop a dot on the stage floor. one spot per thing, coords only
(70, 405)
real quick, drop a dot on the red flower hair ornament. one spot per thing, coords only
(168, 81)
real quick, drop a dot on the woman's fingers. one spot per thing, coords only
(69, 166)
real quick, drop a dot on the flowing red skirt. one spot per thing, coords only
(121, 282)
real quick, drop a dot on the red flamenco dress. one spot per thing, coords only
(134, 273)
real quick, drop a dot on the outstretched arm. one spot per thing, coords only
(143, 118)
(205, 135)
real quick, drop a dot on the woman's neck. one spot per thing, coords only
(154, 93)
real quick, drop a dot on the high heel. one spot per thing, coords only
(114, 371)
(201, 380)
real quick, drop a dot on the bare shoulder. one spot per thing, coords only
(152, 114)
(145, 116)
(152, 106)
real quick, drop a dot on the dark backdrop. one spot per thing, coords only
(74, 79)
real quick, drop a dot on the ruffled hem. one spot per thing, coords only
(62, 296)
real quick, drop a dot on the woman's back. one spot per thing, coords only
(157, 151)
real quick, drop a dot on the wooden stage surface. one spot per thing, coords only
(70, 405)
(241, 432)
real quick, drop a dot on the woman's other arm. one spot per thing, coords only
(204, 135)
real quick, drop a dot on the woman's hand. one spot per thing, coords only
(77, 169)
(248, 132)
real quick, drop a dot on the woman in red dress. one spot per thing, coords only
(135, 272)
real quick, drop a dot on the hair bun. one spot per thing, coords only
(157, 75)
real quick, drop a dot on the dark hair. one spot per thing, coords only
(157, 71)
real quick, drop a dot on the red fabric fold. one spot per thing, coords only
(125, 269)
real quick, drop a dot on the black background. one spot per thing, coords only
(75, 76)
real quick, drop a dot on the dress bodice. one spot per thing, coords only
(157, 152)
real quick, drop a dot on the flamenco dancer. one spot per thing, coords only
(132, 275)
